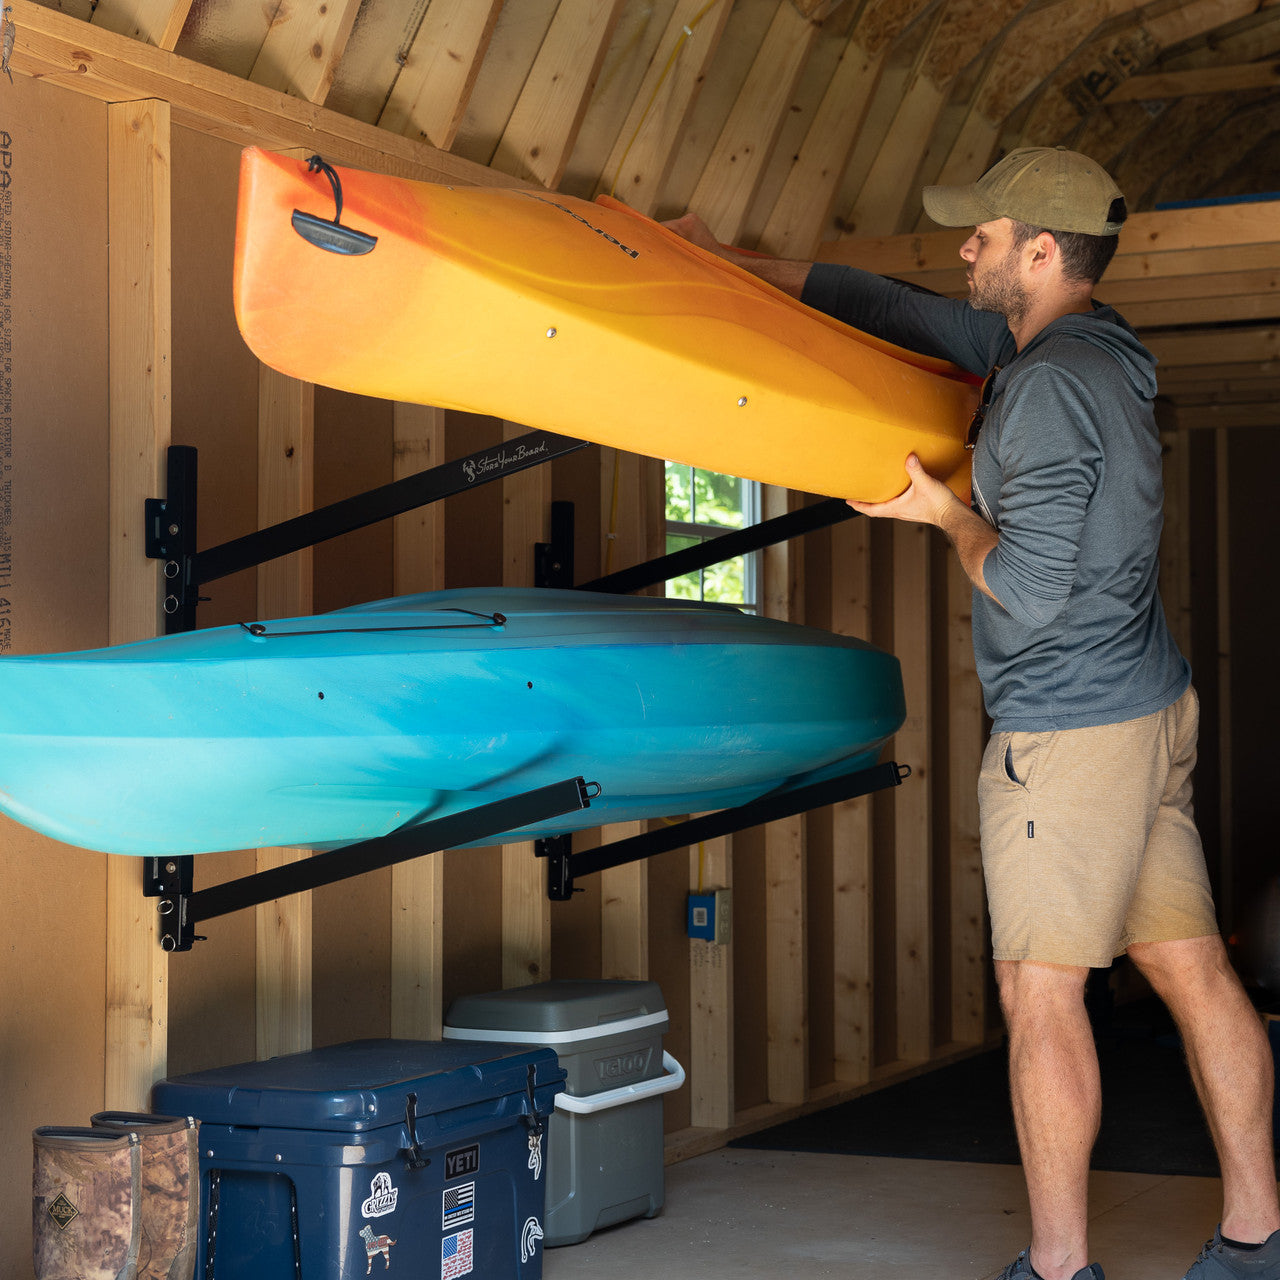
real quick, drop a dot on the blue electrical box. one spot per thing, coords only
(325, 1163)
(700, 921)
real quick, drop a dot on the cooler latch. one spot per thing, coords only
(535, 1123)
(533, 1119)
(413, 1154)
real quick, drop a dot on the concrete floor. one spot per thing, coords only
(740, 1213)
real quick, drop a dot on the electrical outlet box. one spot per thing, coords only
(701, 922)
(724, 916)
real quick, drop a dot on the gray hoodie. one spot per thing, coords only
(1067, 469)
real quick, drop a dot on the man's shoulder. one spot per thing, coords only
(1093, 346)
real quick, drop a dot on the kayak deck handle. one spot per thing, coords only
(332, 237)
(484, 621)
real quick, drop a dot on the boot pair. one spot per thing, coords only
(116, 1201)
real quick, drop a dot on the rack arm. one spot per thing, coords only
(181, 909)
(563, 866)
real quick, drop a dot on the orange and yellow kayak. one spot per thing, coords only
(580, 317)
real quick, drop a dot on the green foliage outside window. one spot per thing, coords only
(716, 502)
(704, 497)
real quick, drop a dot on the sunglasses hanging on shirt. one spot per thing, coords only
(980, 413)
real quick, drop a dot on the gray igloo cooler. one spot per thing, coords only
(604, 1141)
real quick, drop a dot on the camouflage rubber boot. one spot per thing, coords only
(85, 1189)
(170, 1203)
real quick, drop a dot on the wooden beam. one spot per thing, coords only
(1261, 413)
(808, 196)
(111, 68)
(157, 22)
(724, 192)
(966, 725)
(139, 390)
(624, 910)
(1222, 380)
(417, 887)
(286, 465)
(304, 45)
(1224, 345)
(1132, 277)
(852, 882)
(912, 803)
(544, 125)
(1226, 740)
(624, 891)
(786, 901)
(1175, 537)
(1232, 309)
(1182, 288)
(526, 915)
(1149, 244)
(431, 93)
(711, 1089)
(641, 159)
(1184, 84)
(817, 10)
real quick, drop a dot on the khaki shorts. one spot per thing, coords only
(1088, 840)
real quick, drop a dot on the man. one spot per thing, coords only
(1089, 847)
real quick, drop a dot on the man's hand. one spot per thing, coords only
(692, 228)
(925, 500)
(928, 501)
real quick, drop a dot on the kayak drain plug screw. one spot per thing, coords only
(742, 402)
(551, 333)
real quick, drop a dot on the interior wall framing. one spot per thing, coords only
(884, 934)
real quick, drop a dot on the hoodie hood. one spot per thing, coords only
(1105, 328)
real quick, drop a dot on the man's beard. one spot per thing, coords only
(1000, 290)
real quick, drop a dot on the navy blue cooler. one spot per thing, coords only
(323, 1165)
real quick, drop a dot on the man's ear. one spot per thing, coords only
(1042, 251)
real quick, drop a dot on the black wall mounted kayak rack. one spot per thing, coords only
(170, 535)
(171, 522)
(182, 907)
(563, 865)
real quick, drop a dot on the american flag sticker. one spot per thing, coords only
(459, 1206)
(455, 1255)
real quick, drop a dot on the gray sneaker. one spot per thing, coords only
(1021, 1269)
(1218, 1261)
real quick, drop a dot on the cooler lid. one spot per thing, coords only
(357, 1086)
(559, 1011)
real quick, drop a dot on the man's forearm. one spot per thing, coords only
(973, 538)
(783, 273)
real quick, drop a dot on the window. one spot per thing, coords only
(703, 505)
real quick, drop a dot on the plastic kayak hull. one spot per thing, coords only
(327, 730)
(587, 319)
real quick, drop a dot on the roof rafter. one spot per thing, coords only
(433, 89)
(304, 46)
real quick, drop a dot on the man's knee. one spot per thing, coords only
(1029, 989)
(1183, 963)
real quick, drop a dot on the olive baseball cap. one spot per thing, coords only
(1047, 187)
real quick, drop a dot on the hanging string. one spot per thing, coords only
(685, 34)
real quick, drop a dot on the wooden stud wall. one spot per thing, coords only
(860, 934)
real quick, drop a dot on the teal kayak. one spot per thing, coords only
(323, 731)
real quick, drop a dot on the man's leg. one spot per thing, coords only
(1231, 1064)
(1053, 1076)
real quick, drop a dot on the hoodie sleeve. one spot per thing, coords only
(909, 317)
(1051, 466)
